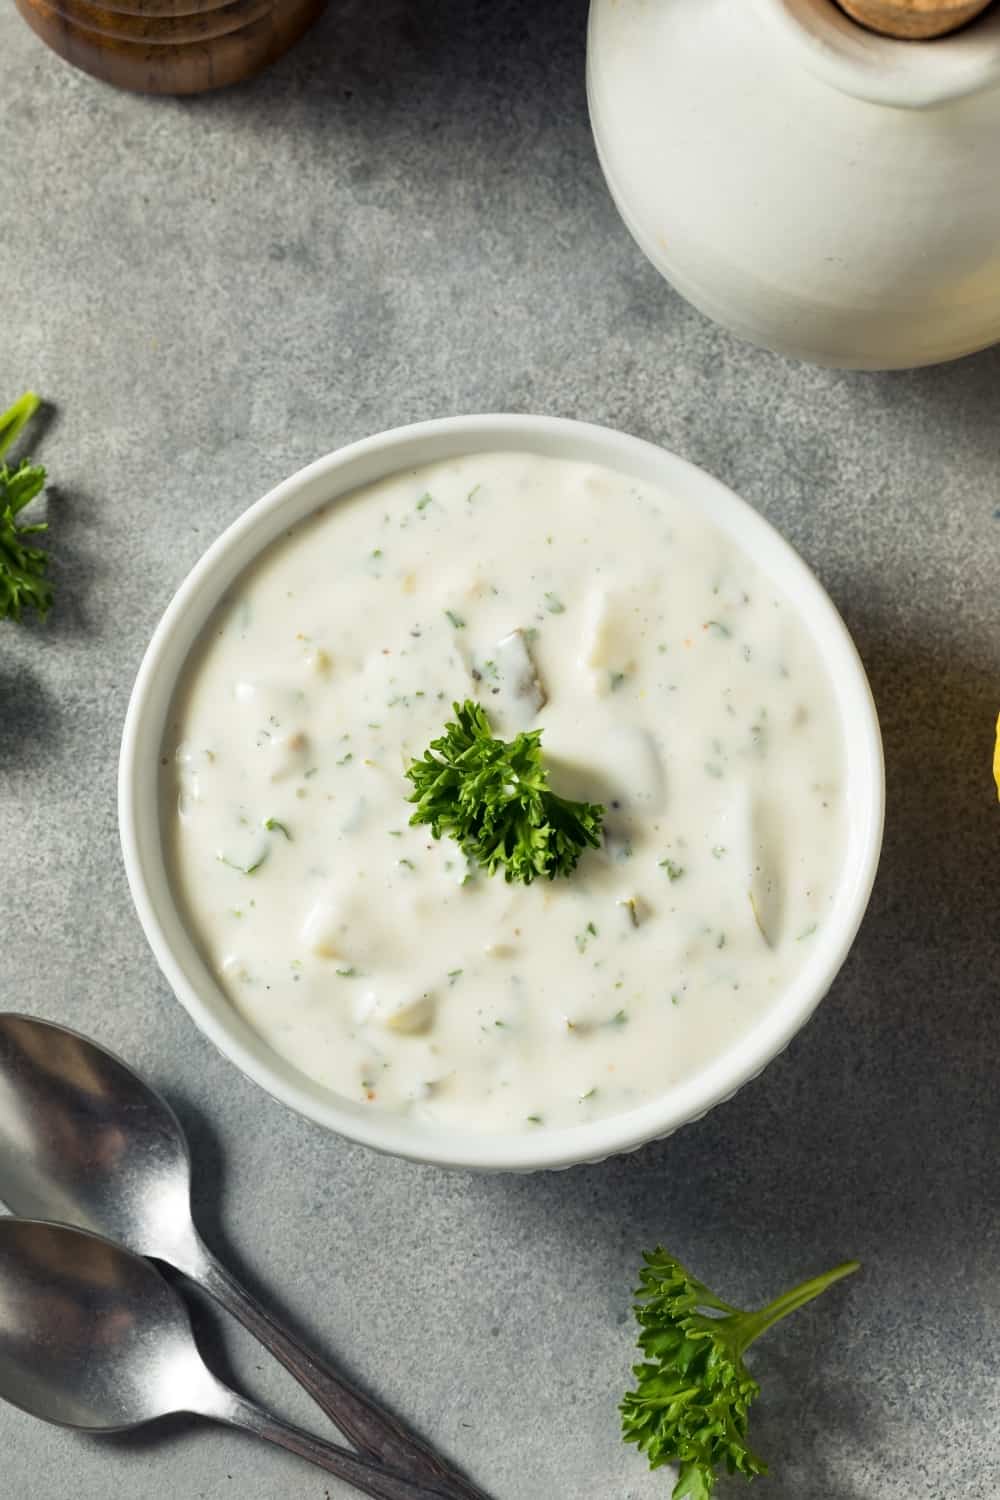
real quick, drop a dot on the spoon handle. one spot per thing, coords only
(365, 1474)
(370, 1427)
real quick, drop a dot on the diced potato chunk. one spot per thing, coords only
(317, 661)
(413, 1018)
(401, 1011)
(519, 695)
(606, 655)
(767, 895)
(621, 768)
(320, 932)
(750, 834)
(288, 752)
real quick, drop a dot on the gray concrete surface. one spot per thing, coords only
(404, 219)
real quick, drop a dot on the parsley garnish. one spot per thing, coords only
(22, 566)
(492, 797)
(693, 1394)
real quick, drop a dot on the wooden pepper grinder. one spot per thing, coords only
(170, 46)
(914, 20)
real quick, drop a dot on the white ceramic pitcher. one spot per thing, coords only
(823, 191)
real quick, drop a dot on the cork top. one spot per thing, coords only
(914, 20)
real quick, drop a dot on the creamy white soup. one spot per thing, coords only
(673, 684)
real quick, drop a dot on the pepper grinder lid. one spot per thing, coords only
(914, 20)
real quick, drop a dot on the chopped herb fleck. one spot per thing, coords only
(453, 974)
(674, 871)
(619, 1018)
(718, 851)
(456, 620)
(243, 869)
(345, 758)
(350, 973)
(554, 604)
(616, 679)
(588, 1095)
(630, 906)
(534, 1119)
(273, 826)
(583, 938)
(717, 628)
(424, 500)
(406, 863)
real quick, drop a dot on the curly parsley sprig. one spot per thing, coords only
(492, 796)
(692, 1397)
(22, 566)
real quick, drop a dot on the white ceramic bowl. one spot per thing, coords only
(337, 475)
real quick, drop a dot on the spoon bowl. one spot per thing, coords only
(92, 1337)
(88, 1142)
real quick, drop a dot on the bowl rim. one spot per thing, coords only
(333, 477)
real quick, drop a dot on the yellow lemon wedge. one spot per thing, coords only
(996, 758)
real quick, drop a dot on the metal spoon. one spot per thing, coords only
(92, 1337)
(85, 1141)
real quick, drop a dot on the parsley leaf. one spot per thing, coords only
(692, 1396)
(492, 797)
(22, 566)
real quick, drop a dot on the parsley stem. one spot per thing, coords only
(756, 1323)
(16, 416)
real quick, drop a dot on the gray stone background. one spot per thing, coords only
(404, 219)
